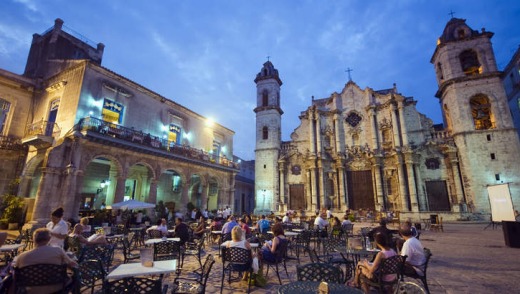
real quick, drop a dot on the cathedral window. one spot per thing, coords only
(4, 108)
(432, 163)
(469, 62)
(389, 186)
(481, 112)
(265, 133)
(265, 98)
(439, 71)
(353, 119)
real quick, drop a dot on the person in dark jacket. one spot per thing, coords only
(181, 230)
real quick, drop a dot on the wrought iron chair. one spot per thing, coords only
(127, 252)
(389, 266)
(348, 230)
(301, 242)
(155, 234)
(166, 250)
(104, 253)
(238, 260)
(194, 249)
(319, 272)
(280, 257)
(135, 285)
(41, 275)
(428, 255)
(90, 271)
(73, 245)
(185, 285)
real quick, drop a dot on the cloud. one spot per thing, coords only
(13, 39)
(29, 4)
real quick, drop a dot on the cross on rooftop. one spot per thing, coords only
(348, 71)
(451, 13)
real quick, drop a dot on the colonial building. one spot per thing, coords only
(511, 80)
(244, 186)
(372, 149)
(81, 135)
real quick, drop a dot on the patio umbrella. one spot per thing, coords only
(132, 204)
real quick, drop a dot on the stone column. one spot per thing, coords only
(308, 187)
(395, 127)
(46, 200)
(420, 193)
(311, 133)
(336, 133)
(456, 180)
(318, 134)
(314, 189)
(152, 194)
(112, 187)
(404, 133)
(411, 185)
(402, 187)
(342, 194)
(281, 167)
(376, 170)
(373, 125)
(321, 183)
(79, 185)
(204, 196)
(120, 189)
(68, 193)
(185, 198)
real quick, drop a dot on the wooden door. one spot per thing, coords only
(360, 189)
(438, 199)
(297, 197)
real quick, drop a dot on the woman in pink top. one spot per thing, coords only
(369, 268)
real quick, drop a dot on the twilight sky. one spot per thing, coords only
(204, 54)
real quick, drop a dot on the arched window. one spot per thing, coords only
(469, 62)
(481, 112)
(265, 98)
(4, 112)
(265, 133)
(439, 71)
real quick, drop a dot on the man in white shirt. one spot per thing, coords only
(320, 222)
(160, 226)
(413, 249)
(58, 228)
(286, 219)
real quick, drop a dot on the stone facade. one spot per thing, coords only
(511, 81)
(92, 136)
(372, 149)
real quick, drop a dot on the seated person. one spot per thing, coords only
(229, 225)
(161, 226)
(383, 230)
(198, 232)
(92, 240)
(369, 268)
(243, 225)
(268, 251)
(237, 240)
(346, 220)
(414, 251)
(43, 254)
(263, 225)
(321, 224)
(86, 227)
(181, 231)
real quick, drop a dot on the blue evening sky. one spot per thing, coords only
(205, 54)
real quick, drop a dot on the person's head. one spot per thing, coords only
(158, 222)
(286, 214)
(336, 219)
(163, 221)
(263, 216)
(405, 230)
(236, 233)
(242, 220)
(78, 229)
(381, 241)
(277, 229)
(277, 220)
(41, 237)
(382, 222)
(84, 221)
(345, 217)
(178, 220)
(56, 215)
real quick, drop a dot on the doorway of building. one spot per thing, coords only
(360, 190)
(297, 197)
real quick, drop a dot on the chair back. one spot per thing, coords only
(166, 250)
(91, 271)
(319, 272)
(155, 234)
(348, 229)
(40, 275)
(389, 266)
(73, 244)
(206, 269)
(104, 253)
(238, 259)
(332, 245)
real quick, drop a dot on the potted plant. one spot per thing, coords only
(13, 210)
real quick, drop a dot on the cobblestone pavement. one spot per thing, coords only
(466, 259)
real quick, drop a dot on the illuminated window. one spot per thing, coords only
(174, 135)
(265, 133)
(481, 112)
(216, 149)
(112, 111)
(4, 108)
(469, 62)
(176, 183)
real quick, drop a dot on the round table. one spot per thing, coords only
(307, 287)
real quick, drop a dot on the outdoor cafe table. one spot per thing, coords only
(357, 254)
(287, 233)
(308, 287)
(10, 247)
(126, 270)
(157, 240)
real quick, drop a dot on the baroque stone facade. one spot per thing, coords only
(90, 136)
(372, 149)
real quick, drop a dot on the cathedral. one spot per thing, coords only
(372, 149)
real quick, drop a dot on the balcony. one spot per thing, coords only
(98, 130)
(441, 137)
(10, 143)
(41, 134)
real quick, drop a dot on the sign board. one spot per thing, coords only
(501, 205)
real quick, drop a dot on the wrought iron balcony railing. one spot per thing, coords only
(119, 132)
(44, 128)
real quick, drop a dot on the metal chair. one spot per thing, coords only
(301, 242)
(389, 266)
(90, 271)
(73, 245)
(194, 249)
(280, 257)
(155, 234)
(41, 275)
(238, 260)
(135, 285)
(318, 272)
(127, 252)
(104, 253)
(166, 250)
(428, 255)
(185, 285)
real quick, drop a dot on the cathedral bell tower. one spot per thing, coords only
(268, 139)
(476, 114)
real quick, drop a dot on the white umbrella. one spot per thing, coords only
(132, 204)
